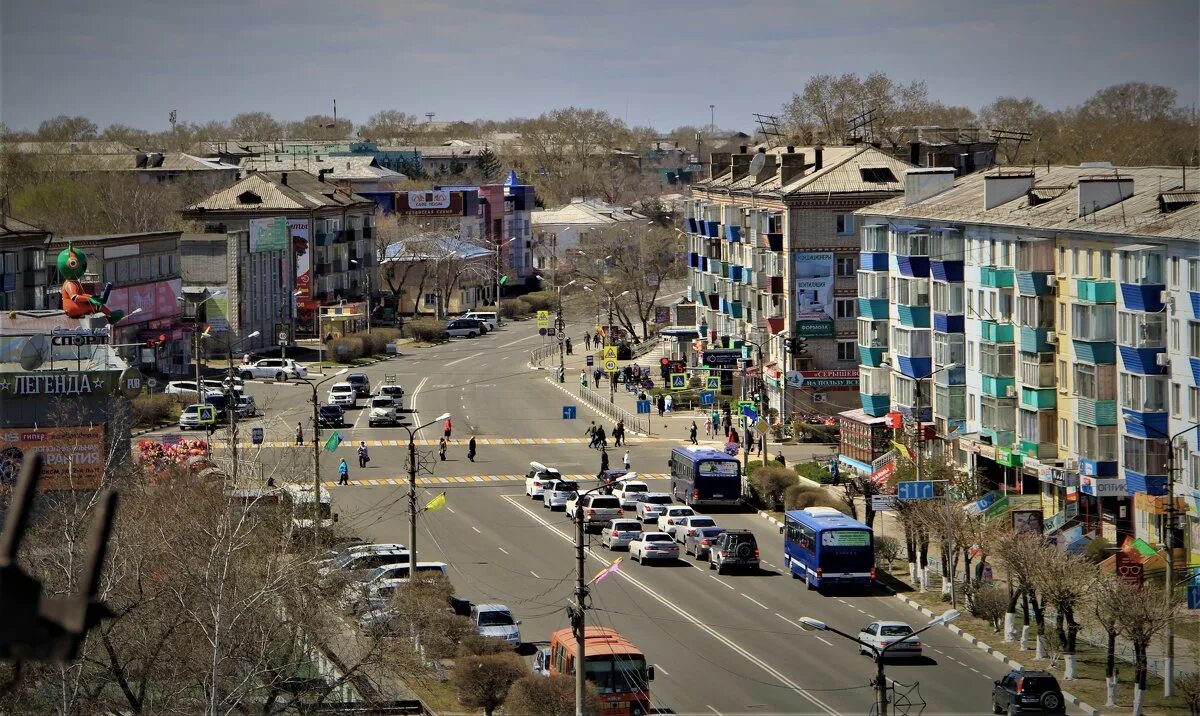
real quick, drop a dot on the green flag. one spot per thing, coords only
(334, 440)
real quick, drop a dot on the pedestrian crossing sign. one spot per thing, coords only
(713, 382)
(679, 381)
(543, 319)
(610, 353)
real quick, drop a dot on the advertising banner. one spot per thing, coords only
(302, 253)
(73, 458)
(217, 313)
(157, 300)
(429, 203)
(813, 275)
(268, 234)
(846, 379)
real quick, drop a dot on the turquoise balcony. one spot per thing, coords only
(1034, 283)
(875, 405)
(735, 309)
(1092, 291)
(999, 437)
(1033, 340)
(997, 387)
(1039, 398)
(873, 308)
(997, 332)
(1096, 412)
(871, 356)
(993, 277)
(913, 316)
(1040, 451)
(1098, 352)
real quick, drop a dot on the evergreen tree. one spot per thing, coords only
(489, 165)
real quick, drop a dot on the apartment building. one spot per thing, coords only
(1043, 325)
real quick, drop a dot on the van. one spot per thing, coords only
(488, 317)
(383, 411)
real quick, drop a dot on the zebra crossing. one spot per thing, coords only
(477, 479)
(352, 443)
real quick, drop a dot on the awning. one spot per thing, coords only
(682, 332)
(944, 230)
(904, 229)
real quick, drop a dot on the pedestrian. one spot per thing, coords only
(727, 424)
(569, 347)
(626, 461)
(363, 456)
(692, 433)
(669, 404)
(716, 421)
(471, 449)
(343, 473)
(442, 448)
(662, 405)
(447, 428)
(603, 463)
(591, 433)
(587, 340)
(246, 359)
(299, 434)
(780, 459)
(707, 427)
(582, 380)
(619, 433)
(601, 437)
(596, 375)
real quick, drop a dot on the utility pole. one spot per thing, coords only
(412, 504)
(577, 614)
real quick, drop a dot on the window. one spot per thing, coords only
(1148, 457)
(1176, 400)
(1141, 267)
(1193, 274)
(1035, 311)
(1037, 370)
(844, 224)
(1062, 259)
(910, 291)
(847, 350)
(1174, 272)
(1141, 330)
(1194, 337)
(1194, 405)
(971, 302)
(1144, 393)
(997, 414)
(997, 359)
(872, 334)
(911, 341)
(877, 175)
(846, 307)
(950, 402)
(430, 300)
(1063, 437)
(1095, 443)
(947, 298)
(874, 239)
(948, 348)
(872, 284)
(1105, 264)
(1036, 426)
(1095, 382)
(1090, 322)
(913, 244)
(947, 245)
(971, 354)
(904, 391)
(1175, 331)
(845, 266)
(970, 406)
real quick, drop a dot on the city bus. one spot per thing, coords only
(703, 477)
(825, 547)
(612, 663)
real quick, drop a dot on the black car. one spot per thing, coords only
(362, 385)
(331, 416)
(1024, 691)
(733, 549)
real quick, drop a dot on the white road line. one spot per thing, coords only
(477, 530)
(861, 611)
(670, 605)
(519, 340)
(504, 550)
(747, 596)
(535, 574)
(727, 586)
(451, 510)
(412, 404)
(830, 643)
(710, 708)
(658, 667)
(460, 360)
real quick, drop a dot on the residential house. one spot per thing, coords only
(437, 275)
(356, 173)
(22, 265)
(560, 232)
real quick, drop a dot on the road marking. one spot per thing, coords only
(451, 510)
(519, 340)
(747, 596)
(412, 402)
(710, 708)
(503, 550)
(460, 360)
(476, 530)
(535, 574)
(830, 643)
(658, 667)
(741, 651)
(727, 586)
(861, 611)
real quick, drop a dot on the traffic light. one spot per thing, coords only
(798, 344)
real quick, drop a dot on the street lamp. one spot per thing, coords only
(881, 700)
(317, 455)
(412, 490)
(196, 322)
(231, 402)
(562, 368)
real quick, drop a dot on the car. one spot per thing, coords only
(1023, 691)
(343, 394)
(237, 385)
(331, 416)
(280, 369)
(617, 534)
(628, 491)
(395, 392)
(734, 548)
(652, 505)
(200, 415)
(245, 406)
(671, 515)
(699, 540)
(488, 318)
(383, 411)
(358, 588)
(333, 556)
(463, 328)
(597, 509)
(187, 389)
(558, 493)
(362, 385)
(896, 636)
(541, 661)
(496, 621)
(538, 478)
(653, 545)
(681, 530)
(362, 562)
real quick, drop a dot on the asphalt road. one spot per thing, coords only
(722, 644)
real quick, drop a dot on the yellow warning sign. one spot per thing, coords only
(610, 353)
(543, 319)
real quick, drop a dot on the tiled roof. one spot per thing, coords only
(11, 226)
(303, 191)
(841, 173)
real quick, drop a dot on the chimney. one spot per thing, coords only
(791, 166)
(741, 163)
(283, 178)
(818, 157)
(921, 184)
(719, 163)
(1102, 191)
(914, 153)
(142, 158)
(1002, 188)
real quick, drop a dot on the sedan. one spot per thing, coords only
(653, 545)
(617, 534)
(343, 394)
(187, 389)
(681, 529)
(651, 505)
(629, 492)
(672, 516)
(700, 540)
(895, 635)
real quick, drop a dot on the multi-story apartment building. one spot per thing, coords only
(773, 250)
(1051, 319)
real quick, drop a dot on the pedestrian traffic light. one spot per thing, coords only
(664, 361)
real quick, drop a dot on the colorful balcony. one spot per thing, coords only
(1195, 362)
(712, 229)
(1194, 297)
(716, 267)
(915, 366)
(1143, 361)
(1145, 425)
(733, 272)
(1098, 352)
(948, 323)
(913, 266)
(873, 308)
(691, 224)
(733, 232)
(925, 415)
(735, 309)
(1153, 485)
(1039, 451)
(1096, 412)
(999, 437)
(913, 316)
(693, 259)
(872, 261)
(1033, 340)
(714, 302)
(774, 241)
(747, 276)
(702, 263)
(998, 386)
(1039, 398)
(872, 357)
(1034, 283)
(1142, 297)
(994, 332)
(1092, 291)
(947, 271)
(875, 405)
(994, 277)
(1098, 468)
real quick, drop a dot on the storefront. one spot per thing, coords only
(864, 440)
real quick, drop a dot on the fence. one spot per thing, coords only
(641, 349)
(541, 353)
(599, 403)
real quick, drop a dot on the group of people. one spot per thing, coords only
(598, 439)
(364, 456)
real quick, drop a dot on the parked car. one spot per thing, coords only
(652, 505)
(224, 386)
(617, 534)
(463, 328)
(688, 525)
(597, 509)
(364, 561)
(653, 545)
(628, 491)
(672, 515)
(331, 416)
(734, 548)
(384, 411)
(237, 385)
(343, 394)
(245, 406)
(896, 636)
(496, 621)
(558, 493)
(187, 389)
(538, 478)
(198, 416)
(488, 318)
(280, 369)
(700, 540)
(362, 385)
(1027, 691)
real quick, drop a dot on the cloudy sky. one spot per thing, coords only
(652, 62)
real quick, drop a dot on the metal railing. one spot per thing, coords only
(541, 353)
(599, 403)
(641, 349)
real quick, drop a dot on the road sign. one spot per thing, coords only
(713, 382)
(543, 319)
(591, 361)
(172, 439)
(542, 331)
(610, 353)
(610, 365)
(152, 383)
(1193, 596)
(568, 412)
(283, 333)
(257, 436)
(760, 426)
(679, 381)
(643, 406)
(550, 331)
(707, 397)
(922, 490)
(882, 503)
(562, 337)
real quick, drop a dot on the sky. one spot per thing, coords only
(657, 63)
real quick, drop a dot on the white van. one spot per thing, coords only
(488, 317)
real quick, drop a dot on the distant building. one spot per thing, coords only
(558, 233)
(356, 173)
(116, 158)
(23, 278)
(417, 270)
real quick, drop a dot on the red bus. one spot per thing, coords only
(614, 665)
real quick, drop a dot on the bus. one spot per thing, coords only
(826, 547)
(305, 511)
(612, 663)
(702, 476)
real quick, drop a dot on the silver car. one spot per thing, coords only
(652, 505)
(557, 493)
(617, 534)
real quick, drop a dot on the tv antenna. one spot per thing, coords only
(1012, 135)
(171, 118)
(768, 126)
(429, 117)
(861, 126)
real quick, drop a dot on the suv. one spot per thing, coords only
(597, 509)
(395, 392)
(362, 385)
(343, 394)
(464, 327)
(331, 416)
(383, 411)
(734, 548)
(1027, 691)
(278, 368)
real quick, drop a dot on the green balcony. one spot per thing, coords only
(994, 332)
(993, 277)
(1039, 398)
(998, 437)
(1034, 340)
(998, 387)
(1096, 412)
(1039, 451)
(873, 308)
(1091, 291)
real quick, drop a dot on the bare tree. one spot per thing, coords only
(392, 124)
(1108, 600)
(1064, 580)
(412, 250)
(483, 681)
(1019, 554)
(641, 258)
(548, 696)
(256, 126)
(64, 128)
(1143, 617)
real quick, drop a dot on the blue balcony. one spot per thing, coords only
(702, 263)
(733, 232)
(747, 276)
(947, 271)
(712, 229)
(993, 277)
(915, 366)
(1033, 283)
(872, 357)
(693, 259)
(1142, 297)
(1195, 370)
(1033, 340)
(948, 323)
(1098, 352)
(1194, 297)
(1145, 425)
(994, 332)
(734, 272)
(1096, 412)
(913, 266)
(692, 226)
(872, 261)
(951, 376)
(998, 386)
(1143, 361)
(1153, 485)
(913, 316)
(1092, 291)
(1098, 468)
(875, 405)
(925, 416)
(873, 308)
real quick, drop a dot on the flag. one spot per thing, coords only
(614, 567)
(334, 440)
(903, 450)
(436, 503)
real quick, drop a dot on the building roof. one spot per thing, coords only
(455, 149)
(11, 227)
(431, 247)
(842, 172)
(166, 162)
(93, 146)
(1054, 207)
(345, 168)
(118, 239)
(266, 191)
(585, 212)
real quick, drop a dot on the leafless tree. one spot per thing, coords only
(548, 696)
(392, 124)
(1107, 602)
(255, 126)
(1143, 617)
(1064, 581)
(484, 681)
(1020, 554)
(416, 249)
(642, 256)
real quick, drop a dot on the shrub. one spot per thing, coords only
(444, 633)
(548, 696)
(483, 681)
(818, 433)
(541, 300)
(150, 410)
(345, 349)
(375, 342)
(1097, 550)
(524, 307)
(770, 483)
(887, 549)
(751, 466)
(475, 644)
(425, 330)
(799, 497)
(814, 471)
(511, 309)
(985, 602)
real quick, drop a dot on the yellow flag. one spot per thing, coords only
(903, 450)
(436, 503)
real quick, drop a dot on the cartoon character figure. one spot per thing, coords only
(76, 303)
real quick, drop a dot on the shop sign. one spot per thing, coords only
(1130, 570)
(1102, 486)
(72, 458)
(1005, 456)
(987, 451)
(51, 383)
(79, 336)
(1046, 473)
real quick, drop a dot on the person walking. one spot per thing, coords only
(619, 433)
(299, 434)
(707, 427)
(587, 340)
(591, 433)
(603, 463)
(363, 456)
(662, 405)
(692, 433)
(569, 347)
(442, 448)
(601, 437)
(343, 473)
(471, 449)
(447, 428)
(716, 422)
(596, 375)
(626, 462)
(583, 381)
(670, 404)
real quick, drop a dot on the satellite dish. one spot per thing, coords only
(35, 352)
(756, 164)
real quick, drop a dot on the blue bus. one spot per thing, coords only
(826, 547)
(705, 477)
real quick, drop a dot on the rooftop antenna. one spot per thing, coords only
(1019, 136)
(429, 117)
(768, 125)
(861, 126)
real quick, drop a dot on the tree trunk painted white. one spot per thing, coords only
(945, 585)
(1040, 652)
(1110, 689)
(1010, 626)
(1138, 694)
(1069, 668)
(1025, 637)
(912, 572)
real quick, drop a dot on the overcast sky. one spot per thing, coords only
(652, 62)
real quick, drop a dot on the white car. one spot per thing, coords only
(597, 509)
(688, 525)
(488, 318)
(357, 591)
(384, 411)
(619, 533)
(673, 515)
(187, 389)
(628, 492)
(541, 661)
(652, 505)
(653, 545)
(538, 478)
(897, 636)
(280, 369)
(395, 392)
(558, 493)
(343, 394)
(496, 621)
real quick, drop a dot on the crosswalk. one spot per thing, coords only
(477, 479)
(434, 443)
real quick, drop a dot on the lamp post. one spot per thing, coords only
(412, 489)
(762, 391)
(196, 304)
(609, 338)
(881, 699)
(499, 248)
(231, 402)
(561, 330)
(317, 455)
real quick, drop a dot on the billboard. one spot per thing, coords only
(813, 276)
(440, 202)
(302, 252)
(157, 300)
(268, 234)
(73, 458)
